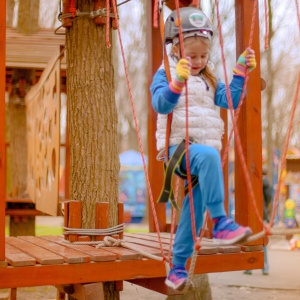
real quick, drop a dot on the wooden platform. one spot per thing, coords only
(48, 260)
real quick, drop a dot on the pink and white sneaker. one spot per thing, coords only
(177, 278)
(227, 232)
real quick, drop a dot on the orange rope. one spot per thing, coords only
(107, 23)
(138, 132)
(234, 118)
(266, 6)
(155, 14)
(188, 167)
(72, 8)
(283, 157)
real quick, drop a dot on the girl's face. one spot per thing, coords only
(198, 50)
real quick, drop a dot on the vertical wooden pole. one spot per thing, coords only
(155, 168)
(249, 124)
(2, 127)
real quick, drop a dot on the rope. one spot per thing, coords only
(82, 231)
(72, 8)
(266, 7)
(107, 23)
(234, 118)
(152, 205)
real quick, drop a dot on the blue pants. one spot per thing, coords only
(205, 163)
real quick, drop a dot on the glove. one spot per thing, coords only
(183, 70)
(245, 62)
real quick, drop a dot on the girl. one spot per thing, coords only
(205, 92)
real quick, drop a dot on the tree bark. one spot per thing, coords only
(28, 16)
(18, 151)
(92, 120)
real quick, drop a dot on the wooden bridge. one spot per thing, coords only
(35, 261)
(49, 260)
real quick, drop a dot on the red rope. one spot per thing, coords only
(138, 132)
(234, 118)
(266, 7)
(155, 14)
(107, 23)
(72, 8)
(283, 156)
(188, 167)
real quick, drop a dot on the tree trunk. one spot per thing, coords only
(28, 16)
(18, 151)
(92, 120)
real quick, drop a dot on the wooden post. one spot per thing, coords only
(156, 173)
(249, 124)
(2, 128)
(75, 215)
(102, 218)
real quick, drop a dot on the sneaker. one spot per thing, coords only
(248, 272)
(177, 278)
(227, 232)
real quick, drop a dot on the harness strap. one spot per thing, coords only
(171, 167)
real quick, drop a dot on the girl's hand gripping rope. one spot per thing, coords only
(245, 62)
(183, 70)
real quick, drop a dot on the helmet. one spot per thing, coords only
(193, 23)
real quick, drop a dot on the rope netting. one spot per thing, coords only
(111, 11)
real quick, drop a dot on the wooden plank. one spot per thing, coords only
(2, 129)
(95, 254)
(70, 256)
(121, 270)
(124, 254)
(229, 249)
(149, 237)
(149, 250)
(17, 258)
(43, 256)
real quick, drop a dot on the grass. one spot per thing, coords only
(43, 230)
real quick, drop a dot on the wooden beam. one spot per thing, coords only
(2, 128)
(155, 168)
(121, 270)
(249, 124)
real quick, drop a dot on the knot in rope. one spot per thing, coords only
(111, 242)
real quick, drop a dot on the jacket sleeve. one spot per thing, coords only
(163, 99)
(235, 87)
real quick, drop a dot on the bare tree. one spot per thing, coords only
(93, 121)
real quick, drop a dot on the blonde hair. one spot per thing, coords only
(207, 72)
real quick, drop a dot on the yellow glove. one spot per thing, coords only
(183, 70)
(246, 61)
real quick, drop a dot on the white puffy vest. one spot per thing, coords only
(205, 123)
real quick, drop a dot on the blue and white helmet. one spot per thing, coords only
(193, 23)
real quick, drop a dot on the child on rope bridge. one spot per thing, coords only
(206, 127)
